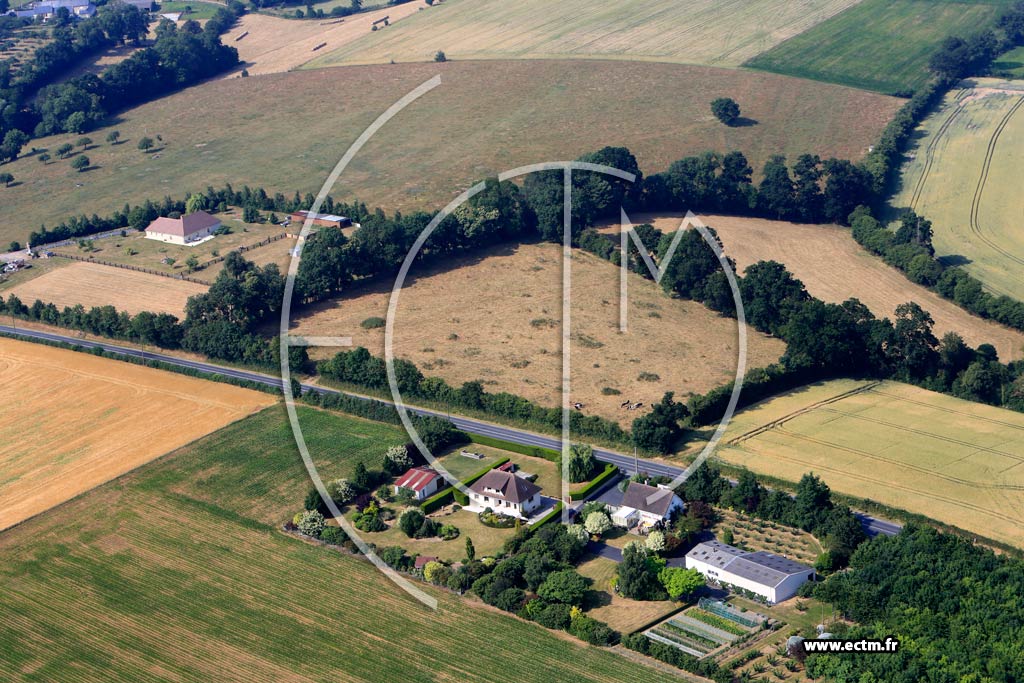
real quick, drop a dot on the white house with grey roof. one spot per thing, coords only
(773, 577)
(644, 506)
(505, 493)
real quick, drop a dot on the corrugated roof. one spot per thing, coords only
(767, 569)
(417, 479)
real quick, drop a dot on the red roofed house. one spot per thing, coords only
(184, 230)
(422, 481)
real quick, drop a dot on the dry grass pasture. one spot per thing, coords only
(962, 172)
(959, 462)
(72, 421)
(177, 571)
(834, 268)
(275, 44)
(697, 32)
(92, 284)
(285, 132)
(496, 317)
(606, 605)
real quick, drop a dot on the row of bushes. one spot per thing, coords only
(638, 642)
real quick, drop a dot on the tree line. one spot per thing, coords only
(955, 607)
(178, 57)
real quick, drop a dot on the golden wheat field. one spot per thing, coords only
(71, 421)
(496, 317)
(958, 462)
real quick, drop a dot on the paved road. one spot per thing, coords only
(873, 526)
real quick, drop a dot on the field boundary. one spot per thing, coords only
(138, 269)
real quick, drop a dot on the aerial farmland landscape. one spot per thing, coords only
(428, 340)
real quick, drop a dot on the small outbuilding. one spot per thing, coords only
(323, 220)
(422, 481)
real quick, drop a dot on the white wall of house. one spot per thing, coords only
(505, 507)
(426, 492)
(164, 237)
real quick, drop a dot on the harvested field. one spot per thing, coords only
(958, 462)
(72, 421)
(962, 172)
(92, 284)
(696, 32)
(812, 252)
(275, 44)
(881, 45)
(496, 317)
(178, 569)
(281, 132)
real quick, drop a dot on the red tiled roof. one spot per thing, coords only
(422, 560)
(417, 478)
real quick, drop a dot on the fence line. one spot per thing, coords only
(139, 269)
(244, 248)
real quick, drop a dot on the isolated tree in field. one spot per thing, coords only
(679, 582)
(80, 163)
(64, 150)
(44, 158)
(440, 56)
(192, 262)
(12, 143)
(397, 460)
(145, 144)
(6, 179)
(83, 143)
(597, 523)
(113, 136)
(725, 110)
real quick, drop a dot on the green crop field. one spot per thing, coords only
(957, 462)
(695, 32)
(963, 171)
(178, 572)
(880, 45)
(280, 132)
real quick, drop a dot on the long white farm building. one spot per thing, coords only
(773, 577)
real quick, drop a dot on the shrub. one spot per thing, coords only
(649, 377)
(394, 556)
(591, 630)
(510, 599)
(311, 523)
(341, 491)
(437, 501)
(496, 520)
(373, 322)
(397, 460)
(578, 532)
(333, 535)
(725, 110)
(554, 616)
(597, 523)
(428, 529)
(430, 570)
(655, 541)
(410, 522)
(566, 586)
(448, 532)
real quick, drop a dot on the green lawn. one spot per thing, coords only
(880, 45)
(196, 10)
(1011, 62)
(178, 572)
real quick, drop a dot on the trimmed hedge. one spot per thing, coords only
(532, 451)
(438, 500)
(609, 471)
